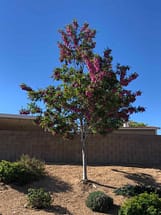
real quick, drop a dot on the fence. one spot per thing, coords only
(120, 149)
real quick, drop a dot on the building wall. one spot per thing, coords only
(120, 149)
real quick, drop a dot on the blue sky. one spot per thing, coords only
(29, 53)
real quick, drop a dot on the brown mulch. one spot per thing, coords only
(69, 193)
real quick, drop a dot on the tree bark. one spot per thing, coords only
(84, 155)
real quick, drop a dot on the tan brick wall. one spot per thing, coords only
(126, 149)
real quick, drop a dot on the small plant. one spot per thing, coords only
(143, 204)
(99, 201)
(38, 198)
(21, 172)
(133, 190)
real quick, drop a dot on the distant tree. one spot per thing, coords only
(134, 124)
(90, 96)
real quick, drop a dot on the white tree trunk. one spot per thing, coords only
(84, 155)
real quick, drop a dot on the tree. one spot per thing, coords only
(91, 97)
(134, 124)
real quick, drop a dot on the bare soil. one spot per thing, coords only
(69, 193)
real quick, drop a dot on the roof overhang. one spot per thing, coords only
(24, 122)
(17, 122)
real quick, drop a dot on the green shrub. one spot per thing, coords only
(23, 175)
(34, 165)
(7, 171)
(38, 198)
(143, 204)
(133, 190)
(127, 190)
(99, 201)
(21, 172)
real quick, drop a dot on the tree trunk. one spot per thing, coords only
(84, 155)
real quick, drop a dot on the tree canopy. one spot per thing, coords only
(134, 124)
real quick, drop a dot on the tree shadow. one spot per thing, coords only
(101, 185)
(140, 178)
(50, 184)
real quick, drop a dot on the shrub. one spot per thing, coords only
(99, 201)
(34, 165)
(133, 190)
(127, 190)
(7, 171)
(29, 169)
(21, 172)
(23, 175)
(143, 204)
(38, 198)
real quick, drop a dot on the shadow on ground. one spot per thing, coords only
(54, 209)
(51, 184)
(58, 210)
(101, 185)
(140, 178)
(114, 210)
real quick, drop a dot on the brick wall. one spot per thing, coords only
(125, 149)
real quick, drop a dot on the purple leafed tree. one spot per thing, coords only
(91, 97)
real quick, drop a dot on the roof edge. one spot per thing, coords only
(15, 116)
(18, 116)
